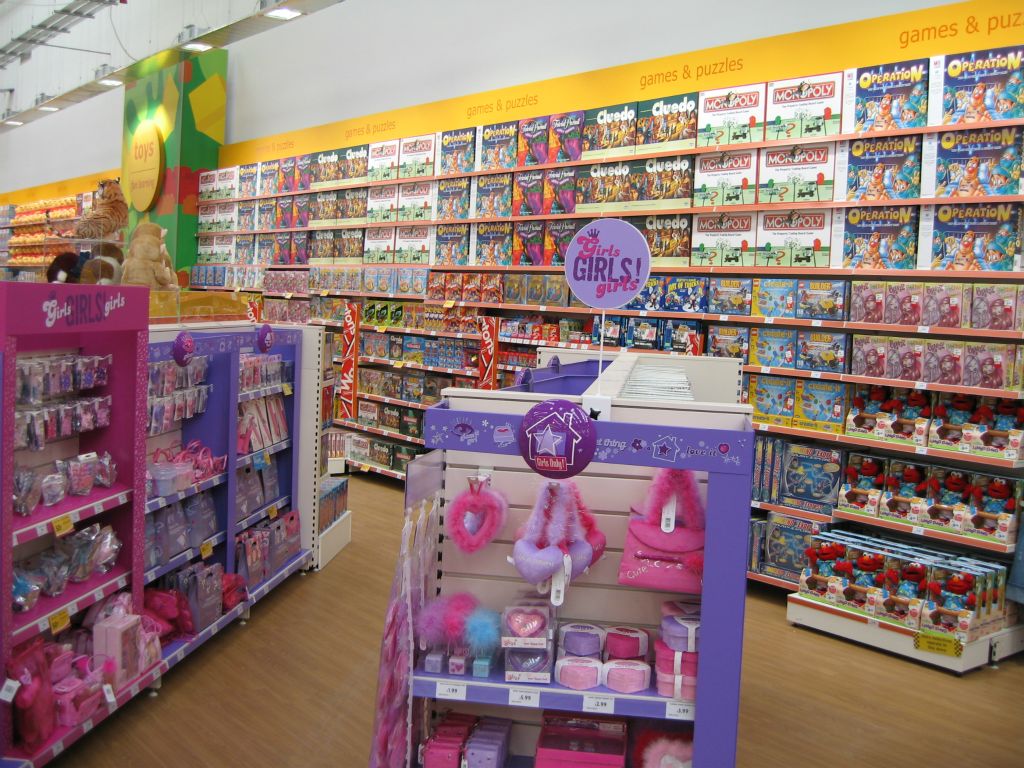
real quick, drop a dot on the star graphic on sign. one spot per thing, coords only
(548, 442)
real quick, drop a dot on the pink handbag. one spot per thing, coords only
(670, 561)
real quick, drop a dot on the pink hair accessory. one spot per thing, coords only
(443, 620)
(677, 686)
(595, 538)
(626, 676)
(626, 643)
(668, 753)
(673, 662)
(476, 516)
(578, 672)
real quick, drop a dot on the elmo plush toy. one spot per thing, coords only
(909, 581)
(909, 483)
(1009, 415)
(873, 404)
(955, 594)
(865, 572)
(825, 558)
(957, 411)
(865, 477)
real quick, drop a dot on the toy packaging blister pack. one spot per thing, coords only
(456, 151)
(773, 297)
(810, 477)
(976, 86)
(724, 239)
(685, 294)
(818, 350)
(945, 305)
(821, 299)
(806, 106)
(973, 236)
(803, 173)
(820, 405)
(875, 237)
(731, 115)
(996, 429)
(879, 168)
(904, 417)
(609, 131)
(981, 163)
(902, 303)
(667, 123)
(863, 483)
(729, 178)
(886, 97)
(798, 238)
(729, 295)
(773, 399)
(728, 341)
(668, 237)
(904, 493)
(773, 347)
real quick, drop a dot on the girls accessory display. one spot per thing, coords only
(578, 672)
(520, 622)
(672, 662)
(527, 660)
(677, 686)
(680, 634)
(477, 515)
(626, 643)
(442, 621)
(664, 546)
(581, 639)
(626, 676)
(483, 632)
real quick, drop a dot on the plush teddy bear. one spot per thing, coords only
(145, 264)
(105, 266)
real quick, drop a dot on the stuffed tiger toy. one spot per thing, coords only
(109, 213)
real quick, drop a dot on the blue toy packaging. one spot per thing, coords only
(642, 333)
(755, 544)
(886, 97)
(981, 163)
(821, 299)
(819, 350)
(773, 347)
(876, 237)
(729, 295)
(879, 168)
(773, 297)
(755, 490)
(820, 405)
(651, 297)
(786, 540)
(728, 341)
(682, 336)
(974, 236)
(613, 332)
(773, 399)
(977, 87)
(810, 477)
(686, 294)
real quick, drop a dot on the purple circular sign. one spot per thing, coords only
(557, 439)
(265, 338)
(183, 348)
(607, 263)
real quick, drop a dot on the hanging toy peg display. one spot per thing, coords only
(477, 515)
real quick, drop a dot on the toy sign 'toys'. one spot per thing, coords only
(607, 263)
(183, 348)
(557, 439)
(265, 338)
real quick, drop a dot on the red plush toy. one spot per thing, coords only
(876, 397)
(955, 593)
(868, 475)
(865, 572)
(909, 482)
(825, 557)
(909, 581)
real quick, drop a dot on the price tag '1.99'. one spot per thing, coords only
(595, 702)
(451, 691)
(523, 697)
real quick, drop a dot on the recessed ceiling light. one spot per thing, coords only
(109, 83)
(48, 109)
(13, 122)
(283, 14)
(197, 47)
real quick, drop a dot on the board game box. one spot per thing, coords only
(651, 296)
(416, 156)
(784, 547)
(349, 245)
(533, 141)
(283, 216)
(303, 172)
(731, 115)
(416, 201)
(382, 204)
(323, 249)
(984, 162)
(819, 350)
(973, 236)
(451, 245)
(379, 245)
(603, 188)
(268, 176)
(668, 237)
(662, 182)
(565, 137)
(724, 239)
(528, 193)
(886, 97)
(354, 163)
(773, 347)
(528, 243)
(300, 210)
(247, 216)
(798, 238)
(494, 244)
(497, 145)
(352, 206)
(456, 151)
(248, 180)
(286, 175)
(686, 294)
(820, 299)
(559, 191)
(557, 236)
(729, 295)
(875, 237)
(729, 341)
(805, 106)
(879, 168)
(773, 399)
(266, 212)
(609, 131)
(976, 87)
(803, 173)
(412, 245)
(667, 124)
(820, 405)
(300, 247)
(729, 178)
(325, 169)
(382, 162)
(810, 477)
(494, 196)
(454, 199)
(773, 297)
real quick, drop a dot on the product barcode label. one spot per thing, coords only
(678, 710)
(596, 702)
(815, 374)
(920, 449)
(451, 691)
(523, 697)
(917, 530)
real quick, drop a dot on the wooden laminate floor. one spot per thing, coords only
(295, 687)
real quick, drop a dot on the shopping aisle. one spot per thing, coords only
(300, 679)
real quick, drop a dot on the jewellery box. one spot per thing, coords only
(680, 634)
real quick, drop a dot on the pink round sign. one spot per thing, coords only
(607, 263)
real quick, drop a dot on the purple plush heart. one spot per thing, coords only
(536, 565)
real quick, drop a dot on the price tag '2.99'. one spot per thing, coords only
(595, 702)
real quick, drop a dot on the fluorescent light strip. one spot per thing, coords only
(48, 109)
(197, 47)
(109, 83)
(13, 122)
(283, 14)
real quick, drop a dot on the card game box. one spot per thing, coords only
(902, 303)
(382, 204)
(609, 131)
(724, 239)
(557, 236)
(685, 293)
(773, 347)
(984, 162)
(497, 146)
(798, 238)
(454, 199)
(532, 148)
(820, 405)
(565, 137)
(451, 245)
(354, 164)
(604, 188)
(973, 236)
(494, 196)
(803, 173)
(559, 191)
(729, 295)
(731, 115)
(494, 244)
(528, 243)
(416, 156)
(805, 106)
(886, 97)
(668, 237)
(879, 168)
(773, 399)
(819, 350)
(416, 201)
(729, 178)
(268, 176)
(875, 237)
(382, 161)
(821, 299)
(976, 87)
(528, 193)
(773, 297)
(325, 169)
(945, 305)
(810, 477)
(728, 341)
(352, 206)
(379, 245)
(412, 245)
(667, 124)
(456, 151)
(661, 182)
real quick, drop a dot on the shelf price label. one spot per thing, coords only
(599, 703)
(108, 694)
(678, 710)
(286, 388)
(523, 697)
(59, 621)
(63, 525)
(206, 549)
(11, 687)
(449, 304)
(917, 530)
(399, 364)
(944, 645)
(272, 512)
(451, 691)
